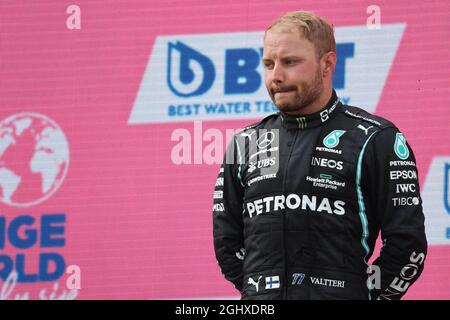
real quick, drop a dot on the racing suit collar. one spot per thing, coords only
(311, 120)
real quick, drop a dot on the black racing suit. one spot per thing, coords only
(299, 203)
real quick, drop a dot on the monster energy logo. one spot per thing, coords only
(302, 122)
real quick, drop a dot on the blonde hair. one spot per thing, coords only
(313, 27)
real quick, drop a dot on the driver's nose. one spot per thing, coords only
(278, 74)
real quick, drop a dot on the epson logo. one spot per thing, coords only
(403, 174)
(220, 76)
(295, 202)
(327, 163)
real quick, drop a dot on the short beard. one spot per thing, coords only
(309, 93)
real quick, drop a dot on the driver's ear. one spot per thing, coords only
(328, 63)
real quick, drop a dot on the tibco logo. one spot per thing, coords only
(294, 201)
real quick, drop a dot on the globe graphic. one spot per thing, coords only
(34, 158)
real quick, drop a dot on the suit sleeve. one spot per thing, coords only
(393, 187)
(227, 218)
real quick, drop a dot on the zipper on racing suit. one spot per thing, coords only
(283, 190)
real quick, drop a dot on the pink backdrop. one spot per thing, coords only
(137, 225)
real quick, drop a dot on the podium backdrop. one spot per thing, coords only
(113, 115)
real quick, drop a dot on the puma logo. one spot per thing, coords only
(248, 135)
(366, 130)
(256, 284)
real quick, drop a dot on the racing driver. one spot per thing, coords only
(302, 195)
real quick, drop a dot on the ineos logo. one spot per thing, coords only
(265, 140)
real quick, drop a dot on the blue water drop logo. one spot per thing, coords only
(189, 73)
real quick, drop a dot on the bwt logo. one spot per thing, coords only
(191, 73)
(220, 76)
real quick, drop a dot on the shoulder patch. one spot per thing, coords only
(363, 115)
(254, 125)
